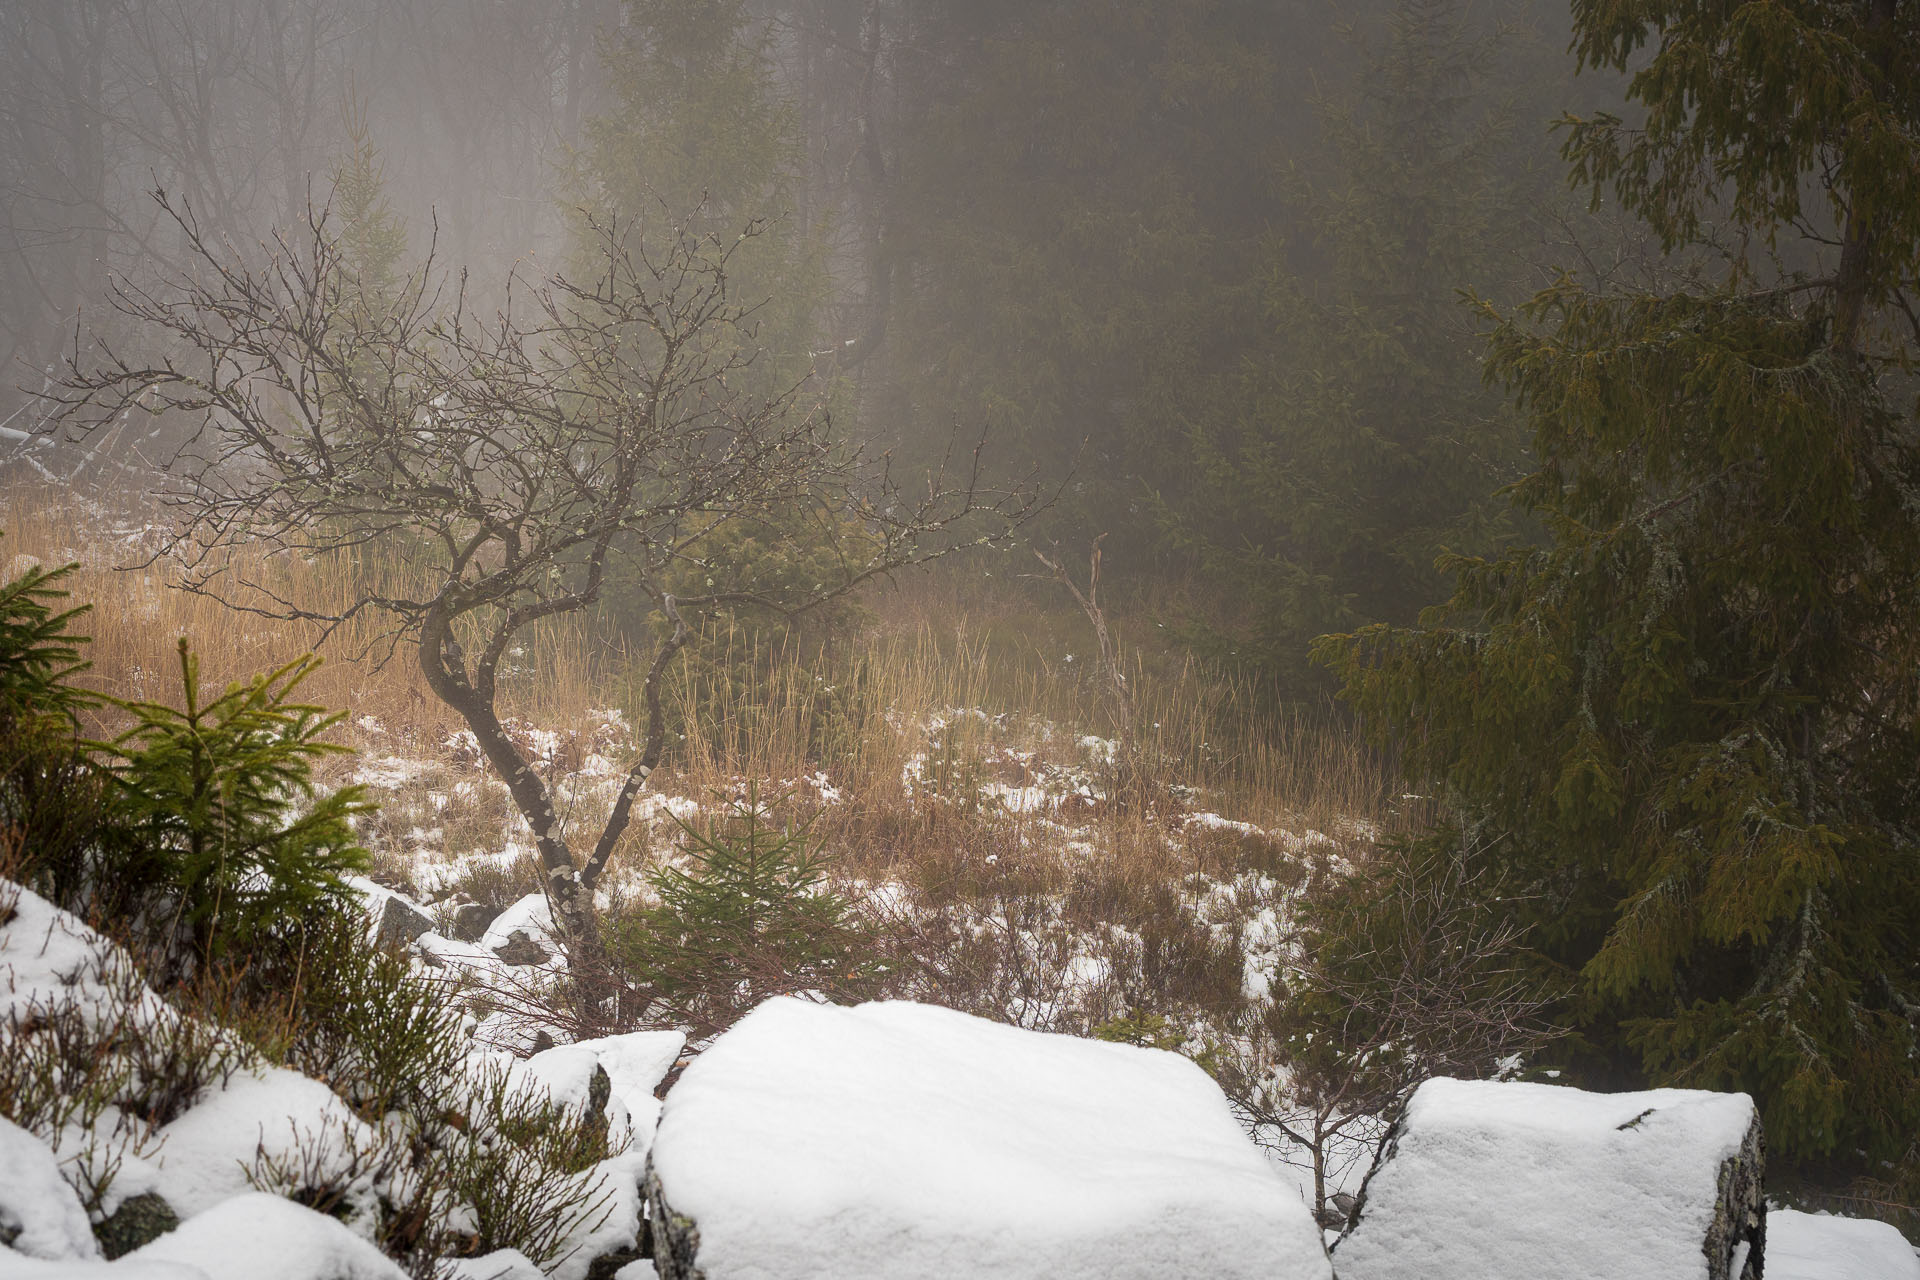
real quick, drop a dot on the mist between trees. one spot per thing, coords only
(1594, 500)
(1201, 257)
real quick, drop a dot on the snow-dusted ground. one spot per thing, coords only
(1036, 788)
(895, 1139)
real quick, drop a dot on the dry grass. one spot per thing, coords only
(970, 752)
(139, 613)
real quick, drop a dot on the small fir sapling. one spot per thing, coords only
(221, 802)
(752, 916)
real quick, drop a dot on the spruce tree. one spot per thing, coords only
(1694, 715)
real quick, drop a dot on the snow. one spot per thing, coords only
(530, 915)
(616, 1223)
(635, 1064)
(37, 1202)
(263, 1237)
(49, 958)
(896, 1139)
(1815, 1246)
(16, 1267)
(1489, 1180)
(501, 1264)
(266, 1112)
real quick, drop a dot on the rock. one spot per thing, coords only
(1483, 1180)
(469, 921)
(599, 1093)
(894, 1141)
(501, 1264)
(1339, 1210)
(674, 1237)
(519, 949)
(1818, 1246)
(401, 923)
(258, 1235)
(607, 1265)
(139, 1220)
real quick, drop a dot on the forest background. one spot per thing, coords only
(1296, 308)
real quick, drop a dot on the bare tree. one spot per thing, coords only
(519, 459)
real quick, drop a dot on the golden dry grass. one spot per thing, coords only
(968, 673)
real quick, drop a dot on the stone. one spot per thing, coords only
(1486, 1180)
(519, 949)
(469, 921)
(401, 923)
(896, 1141)
(139, 1220)
(674, 1237)
(608, 1265)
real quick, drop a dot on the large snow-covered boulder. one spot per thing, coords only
(1482, 1180)
(1815, 1246)
(903, 1140)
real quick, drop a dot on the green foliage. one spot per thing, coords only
(219, 800)
(203, 825)
(39, 653)
(1156, 1031)
(702, 142)
(361, 1018)
(1743, 103)
(699, 128)
(1693, 714)
(1409, 968)
(1082, 191)
(752, 916)
(51, 801)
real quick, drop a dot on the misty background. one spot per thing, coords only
(1202, 262)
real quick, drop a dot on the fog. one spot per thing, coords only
(1003, 209)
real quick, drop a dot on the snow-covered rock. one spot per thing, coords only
(634, 1065)
(21, 1267)
(531, 919)
(263, 1237)
(1482, 1180)
(263, 1114)
(39, 1214)
(1815, 1246)
(501, 1264)
(903, 1140)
